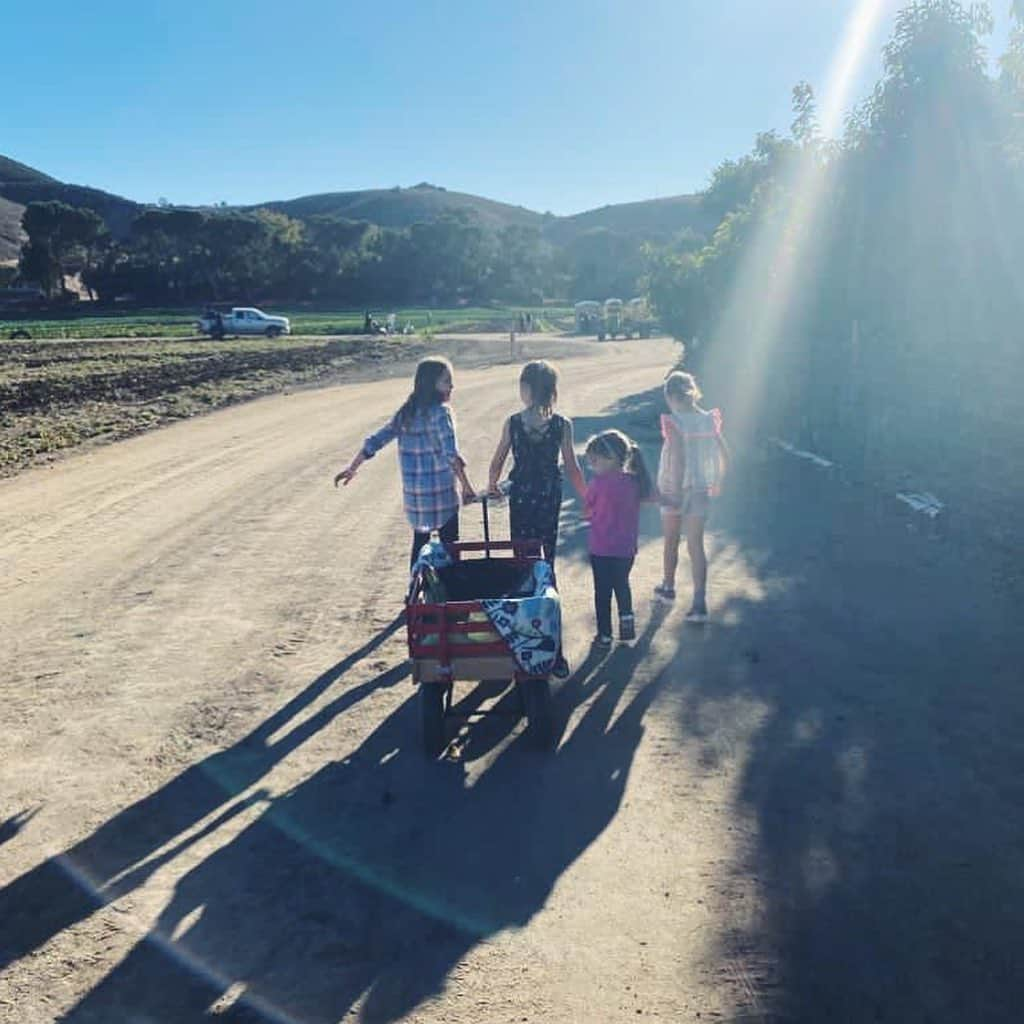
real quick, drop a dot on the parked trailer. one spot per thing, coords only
(613, 319)
(589, 316)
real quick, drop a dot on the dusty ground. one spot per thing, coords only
(57, 396)
(214, 805)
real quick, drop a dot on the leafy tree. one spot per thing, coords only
(805, 128)
(57, 233)
(734, 182)
(602, 264)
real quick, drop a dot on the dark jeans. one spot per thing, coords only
(611, 575)
(449, 534)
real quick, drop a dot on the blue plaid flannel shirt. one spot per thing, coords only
(427, 453)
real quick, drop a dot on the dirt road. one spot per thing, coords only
(214, 805)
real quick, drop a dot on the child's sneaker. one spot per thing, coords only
(600, 640)
(664, 593)
(698, 613)
(627, 627)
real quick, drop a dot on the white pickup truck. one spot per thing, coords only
(243, 320)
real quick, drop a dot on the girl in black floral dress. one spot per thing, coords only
(536, 436)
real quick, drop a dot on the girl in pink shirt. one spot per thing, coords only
(620, 483)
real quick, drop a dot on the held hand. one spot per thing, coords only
(346, 476)
(468, 495)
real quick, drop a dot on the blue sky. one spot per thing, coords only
(561, 105)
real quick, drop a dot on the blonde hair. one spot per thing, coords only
(683, 387)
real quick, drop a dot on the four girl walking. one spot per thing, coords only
(693, 461)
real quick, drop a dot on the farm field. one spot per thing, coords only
(58, 394)
(180, 323)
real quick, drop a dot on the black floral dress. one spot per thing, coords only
(536, 494)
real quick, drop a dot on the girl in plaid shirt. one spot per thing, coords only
(428, 454)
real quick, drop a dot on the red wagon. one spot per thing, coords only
(451, 637)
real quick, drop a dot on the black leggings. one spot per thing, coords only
(611, 575)
(449, 534)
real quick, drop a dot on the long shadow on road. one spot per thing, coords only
(370, 882)
(122, 853)
(884, 779)
(883, 782)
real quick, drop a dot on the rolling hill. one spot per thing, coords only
(11, 172)
(20, 185)
(400, 207)
(653, 219)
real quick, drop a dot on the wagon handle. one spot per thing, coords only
(484, 500)
(487, 527)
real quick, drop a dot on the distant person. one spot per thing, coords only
(428, 455)
(694, 460)
(621, 483)
(538, 437)
(367, 323)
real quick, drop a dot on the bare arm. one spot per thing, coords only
(347, 474)
(572, 463)
(371, 446)
(500, 455)
(449, 448)
(468, 490)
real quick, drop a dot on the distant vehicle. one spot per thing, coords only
(588, 317)
(613, 320)
(639, 321)
(243, 320)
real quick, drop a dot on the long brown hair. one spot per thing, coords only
(615, 445)
(542, 380)
(424, 390)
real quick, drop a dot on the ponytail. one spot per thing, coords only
(614, 444)
(637, 468)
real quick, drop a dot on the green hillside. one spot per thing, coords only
(12, 172)
(655, 220)
(401, 207)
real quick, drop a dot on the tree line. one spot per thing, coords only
(178, 256)
(863, 295)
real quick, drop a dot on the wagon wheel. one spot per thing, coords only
(432, 699)
(539, 713)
